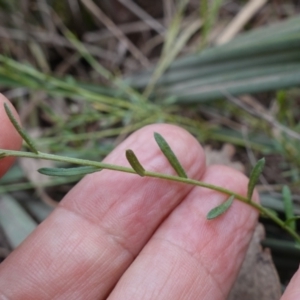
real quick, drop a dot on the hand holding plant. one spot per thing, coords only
(141, 233)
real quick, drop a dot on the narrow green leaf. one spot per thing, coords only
(288, 207)
(292, 220)
(64, 172)
(169, 154)
(134, 162)
(2, 155)
(220, 209)
(22, 133)
(254, 175)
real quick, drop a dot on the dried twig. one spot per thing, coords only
(249, 10)
(261, 113)
(46, 15)
(143, 15)
(53, 39)
(169, 9)
(98, 13)
(102, 34)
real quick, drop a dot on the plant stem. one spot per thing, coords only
(84, 162)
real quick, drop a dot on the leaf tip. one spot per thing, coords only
(134, 162)
(220, 209)
(254, 176)
(170, 155)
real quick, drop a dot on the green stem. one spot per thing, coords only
(84, 162)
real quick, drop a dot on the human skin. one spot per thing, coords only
(120, 236)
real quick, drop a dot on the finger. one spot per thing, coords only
(88, 242)
(190, 257)
(292, 291)
(9, 137)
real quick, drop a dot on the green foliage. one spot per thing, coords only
(266, 59)
(169, 154)
(254, 176)
(93, 166)
(288, 208)
(220, 209)
(66, 172)
(134, 162)
(208, 12)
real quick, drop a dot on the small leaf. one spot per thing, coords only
(22, 133)
(64, 172)
(254, 175)
(292, 220)
(288, 207)
(169, 154)
(220, 209)
(2, 155)
(134, 162)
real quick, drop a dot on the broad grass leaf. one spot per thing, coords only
(169, 154)
(220, 209)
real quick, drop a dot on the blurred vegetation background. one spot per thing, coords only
(84, 74)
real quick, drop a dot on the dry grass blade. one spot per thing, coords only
(174, 43)
(240, 20)
(52, 39)
(98, 13)
(259, 111)
(143, 15)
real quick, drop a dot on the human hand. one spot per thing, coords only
(121, 236)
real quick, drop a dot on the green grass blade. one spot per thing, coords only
(209, 11)
(22, 133)
(288, 207)
(220, 209)
(15, 222)
(169, 154)
(172, 46)
(254, 175)
(134, 162)
(65, 172)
